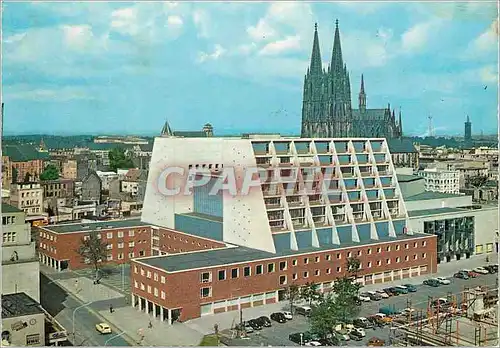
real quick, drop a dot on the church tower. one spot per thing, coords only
(362, 96)
(468, 132)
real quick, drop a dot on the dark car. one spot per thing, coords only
(300, 338)
(373, 295)
(355, 336)
(491, 268)
(410, 287)
(279, 317)
(363, 323)
(264, 321)
(399, 290)
(432, 282)
(391, 292)
(461, 275)
(332, 341)
(254, 323)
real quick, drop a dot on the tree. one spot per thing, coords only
(477, 181)
(292, 294)
(310, 292)
(353, 266)
(347, 290)
(323, 319)
(15, 173)
(50, 173)
(93, 250)
(118, 159)
(27, 177)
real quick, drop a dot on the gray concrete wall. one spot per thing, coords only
(21, 277)
(35, 324)
(412, 188)
(454, 202)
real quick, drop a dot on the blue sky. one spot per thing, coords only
(73, 68)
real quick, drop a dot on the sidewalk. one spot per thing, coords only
(128, 319)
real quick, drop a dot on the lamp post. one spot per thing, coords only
(301, 339)
(74, 312)
(123, 276)
(115, 336)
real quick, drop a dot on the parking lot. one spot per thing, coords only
(277, 334)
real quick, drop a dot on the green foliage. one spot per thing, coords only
(118, 159)
(346, 302)
(310, 293)
(14, 175)
(50, 173)
(477, 181)
(209, 340)
(292, 294)
(323, 317)
(93, 250)
(353, 266)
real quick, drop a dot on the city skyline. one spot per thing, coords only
(116, 73)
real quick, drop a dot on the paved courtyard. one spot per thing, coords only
(114, 276)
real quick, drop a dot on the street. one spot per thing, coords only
(61, 305)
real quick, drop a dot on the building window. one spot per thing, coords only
(349, 254)
(120, 256)
(283, 280)
(142, 272)
(327, 257)
(407, 258)
(397, 247)
(142, 286)
(155, 277)
(415, 257)
(206, 292)
(222, 274)
(339, 269)
(294, 276)
(369, 251)
(328, 270)
(316, 272)
(32, 340)
(369, 264)
(379, 250)
(131, 244)
(398, 259)
(306, 274)
(162, 279)
(306, 260)
(246, 271)
(283, 266)
(149, 289)
(359, 252)
(148, 274)
(141, 253)
(131, 233)
(388, 261)
(163, 295)
(135, 269)
(120, 234)
(131, 255)
(109, 235)
(406, 246)
(415, 245)
(424, 255)
(294, 262)
(379, 262)
(259, 269)
(136, 284)
(120, 245)
(206, 277)
(424, 243)
(316, 259)
(234, 273)
(270, 267)
(388, 248)
(109, 246)
(339, 256)
(156, 292)
(109, 257)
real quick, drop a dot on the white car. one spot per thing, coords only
(364, 298)
(313, 344)
(359, 330)
(288, 315)
(481, 270)
(103, 328)
(443, 280)
(382, 293)
(408, 310)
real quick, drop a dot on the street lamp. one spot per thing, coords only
(112, 338)
(74, 312)
(301, 339)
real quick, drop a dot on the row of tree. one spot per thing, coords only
(339, 305)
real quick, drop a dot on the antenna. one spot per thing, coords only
(431, 128)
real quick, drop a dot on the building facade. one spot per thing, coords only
(20, 267)
(69, 169)
(6, 172)
(28, 197)
(327, 109)
(91, 188)
(439, 180)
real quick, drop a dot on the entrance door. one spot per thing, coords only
(281, 295)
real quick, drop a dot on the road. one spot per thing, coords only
(61, 305)
(277, 335)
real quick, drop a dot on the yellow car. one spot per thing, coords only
(103, 328)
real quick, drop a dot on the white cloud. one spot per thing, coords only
(62, 94)
(246, 49)
(418, 36)
(290, 43)
(362, 49)
(77, 36)
(214, 55)
(489, 74)
(488, 40)
(124, 20)
(201, 20)
(261, 31)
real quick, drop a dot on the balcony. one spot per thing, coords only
(322, 147)
(282, 148)
(302, 148)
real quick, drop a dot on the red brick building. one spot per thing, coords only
(126, 239)
(191, 284)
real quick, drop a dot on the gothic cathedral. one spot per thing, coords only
(326, 107)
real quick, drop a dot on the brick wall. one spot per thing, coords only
(171, 241)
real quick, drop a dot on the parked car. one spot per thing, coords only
(389, 311)
(481, 270)
(432, 282)
(247, 327)
(410, 287)
(491, 268)
(470, 273)
(288, 315)
(313, 344)
(343, 336)
(279, 317)
(382, 293)
(388, 291)
(364, 297)
(442, 303)
(362, 322)
(103, 328)
(354, 336)
(254, 323)
(374, 296)
(392, 291)
(461, 275)
(358, 331)
(264, 321)
(376, 342)
(383, 317)
(398, 290)
(303, 310)
(331, 341)
(443, 280)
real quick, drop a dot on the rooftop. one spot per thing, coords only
(16, 305)
(239, 254)
(427, 195)
(23, 153)
(79, 227)
(7, 208)
(408, 178)
(437, 211)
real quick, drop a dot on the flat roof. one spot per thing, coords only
(203, 217)
(19, 304)
(239, 254)
(431, 195)
(408, 178)
(436, 211)
(7, 208)
(88, 226)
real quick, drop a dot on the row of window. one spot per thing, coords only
(149, 274)
(131, 255)
(9, 237)
(7, 220)
(174, 237)
(48, 236)
(30, 194)
(206, 277)
(149, 288)
(120, 245)
(51, 248)
(209, 166)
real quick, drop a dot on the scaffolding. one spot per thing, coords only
(468, 318)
